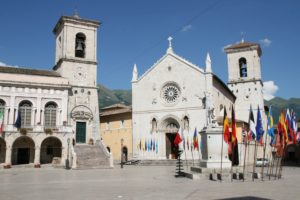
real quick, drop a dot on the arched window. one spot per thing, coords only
(243, 67)
(185, 123)
(154, 125)
(2, 110)
(80, 45)
(2, 107)
(25, 108)
(50, 114)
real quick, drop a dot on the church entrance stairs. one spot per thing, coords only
(91, 156)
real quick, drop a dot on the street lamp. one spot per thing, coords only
(122, 140)
(67, 160)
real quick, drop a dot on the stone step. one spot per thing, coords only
(91, 157)
(164, 162)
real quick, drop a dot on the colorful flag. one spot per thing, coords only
(259, 126)
(156, 148)
(18, 121)
(226, 132)
(188, 143)
(195, 140)
(294, 127)
(252, 129)
(233, 126)
(271, 127)
(177, 139)
(282, 127)
(288, 126)
(1, 120)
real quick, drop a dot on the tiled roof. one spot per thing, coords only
(242, 45)
(26, 71)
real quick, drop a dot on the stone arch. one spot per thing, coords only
(23, 150)
(50, 147)
(82, 112)
(2, 150)
(170, 123)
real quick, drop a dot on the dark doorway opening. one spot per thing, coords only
(125, 153)
(23, 156)
(171, 149)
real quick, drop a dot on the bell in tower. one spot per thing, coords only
(80, 45)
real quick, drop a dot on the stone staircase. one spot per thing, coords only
(92, 157)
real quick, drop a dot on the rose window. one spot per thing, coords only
(170, 93)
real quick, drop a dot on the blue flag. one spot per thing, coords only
(259, 126)
(271, 127)
(18, 121)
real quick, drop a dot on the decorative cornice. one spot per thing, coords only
(58, 64)
(74, 20)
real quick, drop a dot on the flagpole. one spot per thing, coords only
(221, 152)
(192, 154)
(246, 140)
(254, 163)
(232, 158)
(264, 154)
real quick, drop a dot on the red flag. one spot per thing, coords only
(226, 132)
(233, 126)
(177, 139)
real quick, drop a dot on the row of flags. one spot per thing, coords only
(193, 145)
(287, 127)
(148, 145)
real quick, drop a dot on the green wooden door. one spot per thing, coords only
(80, 132)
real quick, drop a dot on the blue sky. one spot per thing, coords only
(136, 31)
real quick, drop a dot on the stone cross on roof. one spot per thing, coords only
(170, 49)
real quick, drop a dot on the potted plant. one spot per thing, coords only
(23, 131)
(48, 131)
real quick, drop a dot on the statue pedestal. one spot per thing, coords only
(211, 140)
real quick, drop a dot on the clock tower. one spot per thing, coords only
(76, 60)
(244, 77)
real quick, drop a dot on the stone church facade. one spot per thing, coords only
(58, 109)
(174, 94)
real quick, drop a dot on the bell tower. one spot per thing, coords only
(244, 77)
(76, 60)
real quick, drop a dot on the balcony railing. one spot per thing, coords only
(39, 128)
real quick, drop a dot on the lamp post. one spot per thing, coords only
(67, 160)
(122, 140)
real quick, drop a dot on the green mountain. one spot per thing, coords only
(279, 103)
(109, 97)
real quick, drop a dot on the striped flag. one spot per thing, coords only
(226, 132)
(1, 120)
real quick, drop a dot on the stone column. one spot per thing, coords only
(8, 158)
(37, 154)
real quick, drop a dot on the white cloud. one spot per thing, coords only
(265, 42)
(269, 90)
(2, 64)
(186, 28)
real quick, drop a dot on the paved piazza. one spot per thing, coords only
(136, 182)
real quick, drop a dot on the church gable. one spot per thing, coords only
(171, 63)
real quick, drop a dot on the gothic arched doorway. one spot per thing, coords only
(50, 147)
(170, 127)
(23, 151)
(2, 150)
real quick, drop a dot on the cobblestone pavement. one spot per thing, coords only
(137, 182)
